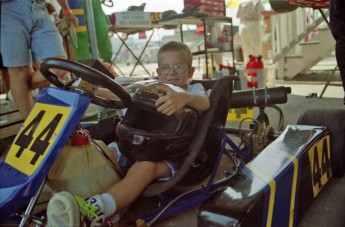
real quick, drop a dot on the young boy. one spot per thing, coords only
(175, 67)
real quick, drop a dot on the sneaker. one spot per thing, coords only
(64, 209)
(9, 96)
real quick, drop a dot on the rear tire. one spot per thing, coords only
(334, 119)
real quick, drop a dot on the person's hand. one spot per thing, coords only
(172, 101)
(71, 20)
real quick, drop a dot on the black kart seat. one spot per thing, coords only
(208, 139)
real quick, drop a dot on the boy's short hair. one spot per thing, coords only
(177, 46)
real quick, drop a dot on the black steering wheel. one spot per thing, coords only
(88, 74)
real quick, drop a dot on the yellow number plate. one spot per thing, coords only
(320, 164)
(35, 138)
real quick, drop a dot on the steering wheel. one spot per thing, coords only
(87, 74)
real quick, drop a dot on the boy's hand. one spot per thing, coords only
(172, 101)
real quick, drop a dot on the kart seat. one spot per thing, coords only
(206, 143)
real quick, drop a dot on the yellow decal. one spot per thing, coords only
(78, 12)
(294, 182)
(320, 164)
(238, 114)
(81, 29)
(36, 136)
(155, 17)
(272, 184)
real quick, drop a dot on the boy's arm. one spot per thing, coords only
(198, 101)
(173, 101)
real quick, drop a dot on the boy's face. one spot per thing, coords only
(173, 68)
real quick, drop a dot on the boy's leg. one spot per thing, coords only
(63, 207)
(138, 177)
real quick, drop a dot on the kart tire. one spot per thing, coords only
(334, 119)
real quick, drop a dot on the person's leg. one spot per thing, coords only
(250, 32)
(21, 93)
(15, 43)
(46, 42)
(5, 80)
(4, 76)
(245, 41)
(340, 56)
(337, 22)
(255, 38)
(22, 81)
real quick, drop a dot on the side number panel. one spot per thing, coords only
(35, 138)
(320, 164)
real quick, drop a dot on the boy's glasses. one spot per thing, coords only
(178, 68)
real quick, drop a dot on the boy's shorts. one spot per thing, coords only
(26, 25)
(126, 163)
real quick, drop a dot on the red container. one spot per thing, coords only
(254, 69)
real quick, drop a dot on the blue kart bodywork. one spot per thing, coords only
(31, 148)
(276, 187)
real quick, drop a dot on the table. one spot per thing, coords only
(129, 30)
(132, 22)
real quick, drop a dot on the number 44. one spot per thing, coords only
(41, 142)
(320, 163)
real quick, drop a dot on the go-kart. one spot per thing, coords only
(269, 181)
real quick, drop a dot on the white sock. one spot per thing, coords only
(109, 204)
